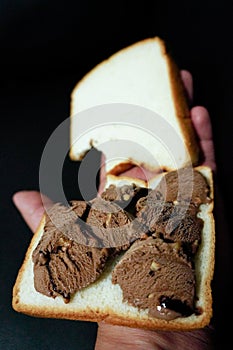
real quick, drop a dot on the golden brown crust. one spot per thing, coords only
(109, 316)
(182, 110)
(210, 263)
(181, 104)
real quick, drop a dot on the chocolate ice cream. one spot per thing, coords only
(111, 224)
(76, 244)
(125, 196)
(61, 265)
(157, 276)
(172, 222)
(185, 184)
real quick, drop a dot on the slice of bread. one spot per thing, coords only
(136, 95)
(102, 300)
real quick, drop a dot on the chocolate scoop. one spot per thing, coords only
(185, 184)
(172, 222)
(157, 276)
(76, 244)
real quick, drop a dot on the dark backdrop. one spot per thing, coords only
(46, 47)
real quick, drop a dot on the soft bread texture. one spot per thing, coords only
(102, 300)
(144, 75)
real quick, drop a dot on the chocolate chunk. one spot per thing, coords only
(125, 196)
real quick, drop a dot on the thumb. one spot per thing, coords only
(31, 205)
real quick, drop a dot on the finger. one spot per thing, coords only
(202, 123)
(187, 79)
(134, 172)
(141, 173)
(31, 205)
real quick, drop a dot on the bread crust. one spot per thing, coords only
(182, 110)
(16, 304)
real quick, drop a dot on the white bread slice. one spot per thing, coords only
(102, 300)
(145, 79)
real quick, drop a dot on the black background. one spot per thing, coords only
(46, 47)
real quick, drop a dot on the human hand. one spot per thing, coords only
(30, 204)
